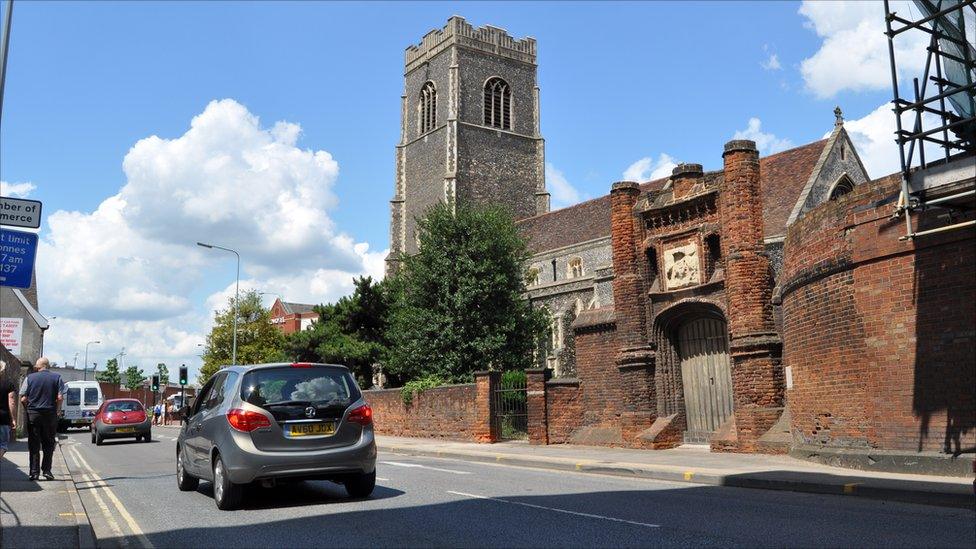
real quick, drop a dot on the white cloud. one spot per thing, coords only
(767, 143)
(16, 190)
(772, 61)
(124, 273)
(854, 52)
(563, 192)
(646, 169)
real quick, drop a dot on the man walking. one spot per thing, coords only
(42, 393)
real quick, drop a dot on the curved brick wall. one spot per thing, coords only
(879, 333)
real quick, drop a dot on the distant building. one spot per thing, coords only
(293, 317)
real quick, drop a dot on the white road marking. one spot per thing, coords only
(133, 525)
(383, 479)
(419, 466)
(576, 513)
(109, 518)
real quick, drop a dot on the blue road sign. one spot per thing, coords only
(17, 252)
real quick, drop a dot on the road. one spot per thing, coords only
(130, 493)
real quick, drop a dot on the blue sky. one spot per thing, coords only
(620, 82)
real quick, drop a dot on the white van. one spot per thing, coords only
(81, 401)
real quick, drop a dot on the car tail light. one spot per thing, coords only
(247, 420)
(107, 418)
(301, 364)
(362, 415)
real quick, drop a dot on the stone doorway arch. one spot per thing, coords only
(694, 369)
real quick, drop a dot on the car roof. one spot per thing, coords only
(248, 367)
(123, 400)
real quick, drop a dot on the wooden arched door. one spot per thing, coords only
(706, 377)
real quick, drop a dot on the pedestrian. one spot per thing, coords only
(168, 413)
(8, 410)
(42, 393)
(157, 413)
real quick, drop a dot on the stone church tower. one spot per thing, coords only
(469, 128)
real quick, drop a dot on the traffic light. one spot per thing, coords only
(155, 383)
(183, 374)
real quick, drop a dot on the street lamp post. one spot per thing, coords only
(237, 296)
(86, 357)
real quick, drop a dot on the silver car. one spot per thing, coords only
(266, 422)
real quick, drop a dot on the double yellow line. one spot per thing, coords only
(97, 488)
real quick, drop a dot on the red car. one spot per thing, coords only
(121, 418)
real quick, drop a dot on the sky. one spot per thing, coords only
(145, 127)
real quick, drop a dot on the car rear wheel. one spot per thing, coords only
(185, 481)
(98, 439)
(93, 436)
(361, 486)
(227, 495)
(147, 437)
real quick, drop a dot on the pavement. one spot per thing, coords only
(40, 513)
(698, 465)
(128, 490)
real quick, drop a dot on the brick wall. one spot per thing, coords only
(564, 403)
(448, 412)
(879, 333)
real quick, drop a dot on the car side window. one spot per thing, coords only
(200, 403)
(216, 391)
(230, 380)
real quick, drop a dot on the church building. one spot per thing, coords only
(674, 301)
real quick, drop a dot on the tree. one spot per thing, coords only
(163, 372)
(134, 377)
(351, 332)
(257, 339)
(459, 300)
(111, 373)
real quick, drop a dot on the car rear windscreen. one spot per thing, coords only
(73, 397)
(314, 385)
(91, 396)
(123, 406)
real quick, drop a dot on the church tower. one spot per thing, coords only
(469, 128)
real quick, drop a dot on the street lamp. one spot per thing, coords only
(86, 357)
(237, 296)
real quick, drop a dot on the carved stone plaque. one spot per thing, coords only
(681, 266)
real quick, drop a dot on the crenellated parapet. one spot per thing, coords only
(459, 32)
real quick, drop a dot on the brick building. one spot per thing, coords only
(767, 306)
(292, 317)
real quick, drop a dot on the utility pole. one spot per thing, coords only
(4, 49)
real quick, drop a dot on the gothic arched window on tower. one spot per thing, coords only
(498, 104)
(428, 108)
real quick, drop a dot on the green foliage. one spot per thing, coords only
(258, 340)
(163, 372)
(459, 304)
(412, 388)
(111, 373)
(351, 332)
(134, 377)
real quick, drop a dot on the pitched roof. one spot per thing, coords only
(296, 308)
(581, 222)
(783, 177)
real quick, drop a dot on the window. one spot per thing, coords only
(73, 397)
(124, 406)
(532, 277)
(843, 186)
(574, 269)
(91, 396)
(498, 104)
(557, 332)
(428, 108)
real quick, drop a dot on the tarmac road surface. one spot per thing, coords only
(129, 491)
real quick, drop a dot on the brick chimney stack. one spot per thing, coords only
(628, 298)
(684, 177)
(755, 347)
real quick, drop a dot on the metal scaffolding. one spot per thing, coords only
(943, 102)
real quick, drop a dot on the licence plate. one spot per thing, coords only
(78, 421)
(311, 429)
(125, 430)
